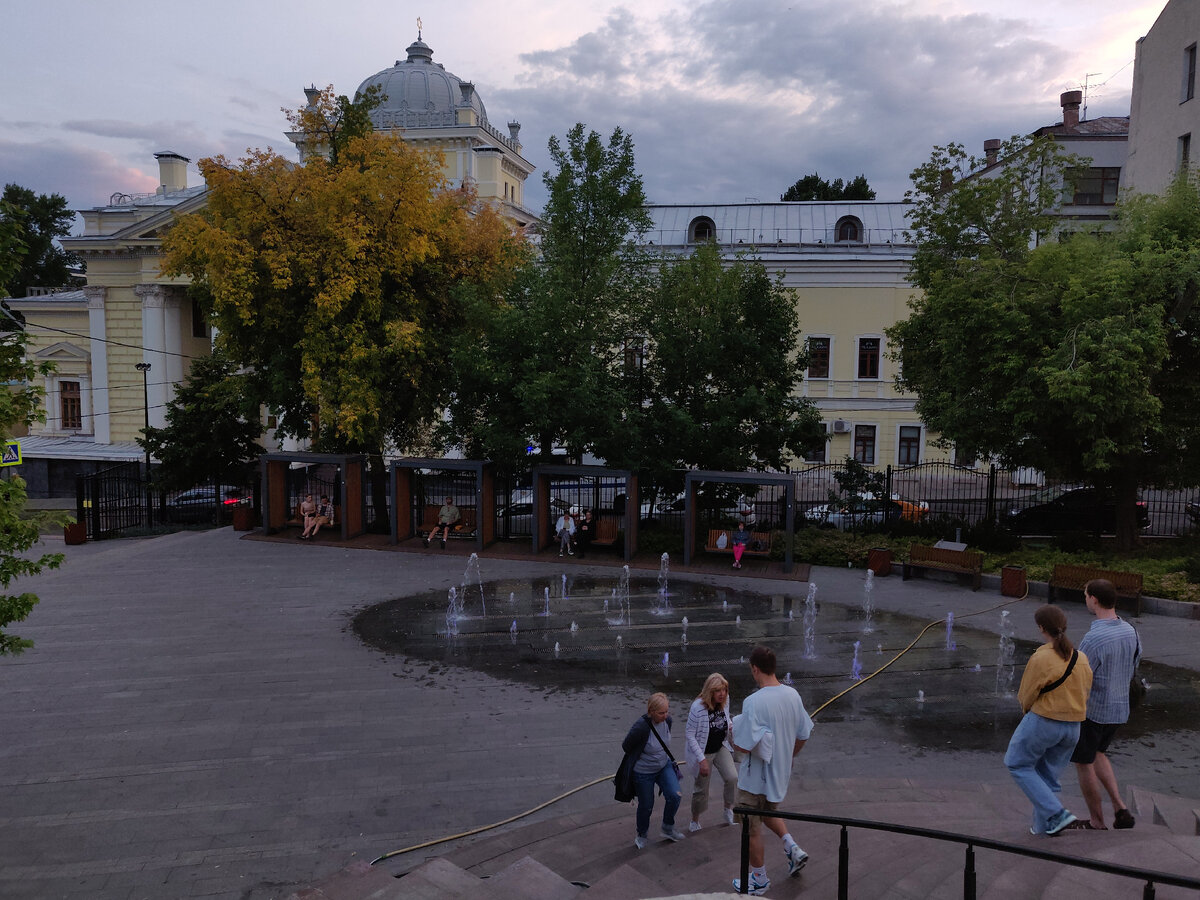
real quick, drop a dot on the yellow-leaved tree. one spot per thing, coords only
(341, 285)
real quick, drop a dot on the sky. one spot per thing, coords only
(726, 100)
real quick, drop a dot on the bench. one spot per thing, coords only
(463, 528)
(1073, 578)
(605, 530)
(757, 538)
(942, 559)
(298, 519)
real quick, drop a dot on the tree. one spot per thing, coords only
(329, 123)
(42, 219)
(1078, 356)
(20, 403)
(723, 363)
(338, 285)
(814, 187)
(546, 364)
(212, 429)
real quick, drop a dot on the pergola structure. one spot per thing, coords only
(409, 497)
(621, 483)
(347, 492)
(696, 477)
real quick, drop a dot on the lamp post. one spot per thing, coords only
(144, 368)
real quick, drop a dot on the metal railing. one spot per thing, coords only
(1150, 877)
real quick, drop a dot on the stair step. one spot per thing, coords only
(529, 878)
(1154, 848)
(358, 881)
(438, 879)
(1178, 814)
(622, 883)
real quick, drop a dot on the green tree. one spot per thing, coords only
(42, 219)
(337, 285)
(723, 364)
(546, 364)
(20, 403)
(1078, 356)
(329, 123)
(212, 429)
(814, 187)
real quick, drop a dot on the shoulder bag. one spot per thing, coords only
(1065, 675)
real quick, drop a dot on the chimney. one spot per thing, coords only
(172, 171)
(991, 151)
(514, 133)
(1071, 101)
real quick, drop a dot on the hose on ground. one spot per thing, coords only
(604, 778)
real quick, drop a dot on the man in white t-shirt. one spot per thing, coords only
(773, 721)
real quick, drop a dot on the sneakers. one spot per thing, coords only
(756, 887)
(796, 859)
(671, 833)
(443, 543)
(425, 541)
(640, 842)
(1123, 819)
(1059, 821)
(570, 552)
(560, 553)
(694, 826)
(729, 817)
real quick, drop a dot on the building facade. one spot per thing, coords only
(1165, 110)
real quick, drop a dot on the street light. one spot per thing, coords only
(144, 368)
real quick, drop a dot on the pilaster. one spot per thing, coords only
(99, 394)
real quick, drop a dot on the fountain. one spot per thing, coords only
(868, 603)
(557, 649)
(574, 627)
(663, 597)
(453, 612)
(737, 622)
(473, 579)
(546, 611)
(564, 587)
(810, 622)
(1005, 669)
(666, 660)
(512, 598)
(950, 644)
(787, 679)
(856, 664)
(683, 639)
(920, 696)
(512, 632)
(724, 606)
(685, 623)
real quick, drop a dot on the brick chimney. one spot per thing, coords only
(1071, 101)
(991, 151)
(172, 171)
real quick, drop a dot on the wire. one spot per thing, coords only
(604, 778)
(39, 328)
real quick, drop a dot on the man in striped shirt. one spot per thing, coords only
(1113, 649)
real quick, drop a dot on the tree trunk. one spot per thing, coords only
(1126, 491)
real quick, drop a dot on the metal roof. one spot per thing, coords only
(772, 223)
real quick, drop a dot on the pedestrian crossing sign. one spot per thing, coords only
(11, 455)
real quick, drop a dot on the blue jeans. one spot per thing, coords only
(1039, 750)
(668, 783)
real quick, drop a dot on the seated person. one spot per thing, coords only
(585, 530)
(323, 515)
(565, 530)
(308, 509)
(740, 538)
(448, 517)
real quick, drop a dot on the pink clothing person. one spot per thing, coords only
(740, 539)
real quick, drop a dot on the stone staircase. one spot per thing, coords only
(591, 854)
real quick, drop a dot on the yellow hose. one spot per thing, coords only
(604, 778)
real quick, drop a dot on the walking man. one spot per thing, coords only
(1113, 649)
(770, 731)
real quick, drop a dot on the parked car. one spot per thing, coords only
(205, 504)
(1193, 512)
(520, 513)
(1064, 508)
(866, 509)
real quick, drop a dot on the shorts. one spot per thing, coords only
(1093, 738)
(755, 801)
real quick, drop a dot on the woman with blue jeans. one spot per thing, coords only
(1053, 693)
(650, 739)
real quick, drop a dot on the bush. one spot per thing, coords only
(1191, 569)
(1076, 542)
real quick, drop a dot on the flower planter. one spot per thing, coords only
(879, 561)
(75, 533)
(1012, 581)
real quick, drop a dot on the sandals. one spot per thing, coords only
(1084, 825)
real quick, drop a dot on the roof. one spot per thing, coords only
(1105, 126)
(81, 448)
(771, 223)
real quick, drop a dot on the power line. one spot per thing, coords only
(88, 337)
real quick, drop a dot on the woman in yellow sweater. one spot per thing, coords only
(1053, 694)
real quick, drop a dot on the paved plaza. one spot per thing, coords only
(198, 717)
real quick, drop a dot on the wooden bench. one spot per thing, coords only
(942, 559)
(1073, 578)
(762, 538)
(463, 528)
(605, 530)
(298, 519)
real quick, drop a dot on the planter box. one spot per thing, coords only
(1012, 581)
(243, 518)
(75, 533)
(879, 561)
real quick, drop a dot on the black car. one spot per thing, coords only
(205, 504)
(1058, 509)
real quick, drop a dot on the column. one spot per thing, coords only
(153, 343)
(99, 363)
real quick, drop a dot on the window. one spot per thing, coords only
(818, 357)
(199, 322)
(1189, 74)
(864, 444)
(964, 458)
(70, 404)
(702, 229)
(849, 229)
(1185, 152)
(909, 445)
(868, 357)
(819, 454)
(1096, 186)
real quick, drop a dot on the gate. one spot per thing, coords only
(111, 500)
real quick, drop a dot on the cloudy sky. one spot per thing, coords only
(725, 99)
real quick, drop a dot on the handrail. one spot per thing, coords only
(1151, 877)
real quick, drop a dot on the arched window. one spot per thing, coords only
(849, 229)
(702, 229)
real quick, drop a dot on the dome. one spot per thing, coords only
(419, 93)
